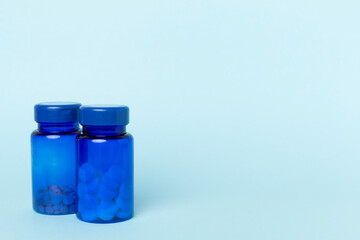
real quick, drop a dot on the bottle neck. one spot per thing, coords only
(58, 127)
(104, 130)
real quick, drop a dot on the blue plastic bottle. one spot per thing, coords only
(105, 165)
(53, 150)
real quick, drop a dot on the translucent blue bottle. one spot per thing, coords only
(53, 150)
(105, 165)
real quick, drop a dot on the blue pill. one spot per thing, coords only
(53, 187)
(41, 208)
(56, 199)
(67, 190)
(93, 186)
(87, 172)
(47, 199)
(109, 181)
(123, 214)
(89, 215)
(81, 189)
(49, 210)
(106, 194)
(115, 173)
(125, 191)
(122, 203)
(87, 202)
(88, 188)
(107, 210)
(57, 207)
(69, 199)
(64, 209)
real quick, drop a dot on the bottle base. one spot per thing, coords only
(53, 214)
(100, 221)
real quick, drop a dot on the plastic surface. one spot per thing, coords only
(54, 169)
(57, 112)
(104, 115)
(105, 175)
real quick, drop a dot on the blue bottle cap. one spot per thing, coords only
(57, 112)
(104, 115)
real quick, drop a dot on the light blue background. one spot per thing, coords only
(245, 114)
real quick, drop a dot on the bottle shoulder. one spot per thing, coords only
(118, 137)
(36, 132)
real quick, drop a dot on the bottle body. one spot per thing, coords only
(53, 161)
(105, 175)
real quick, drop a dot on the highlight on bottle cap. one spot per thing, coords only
(57, 112)
(104, 115)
